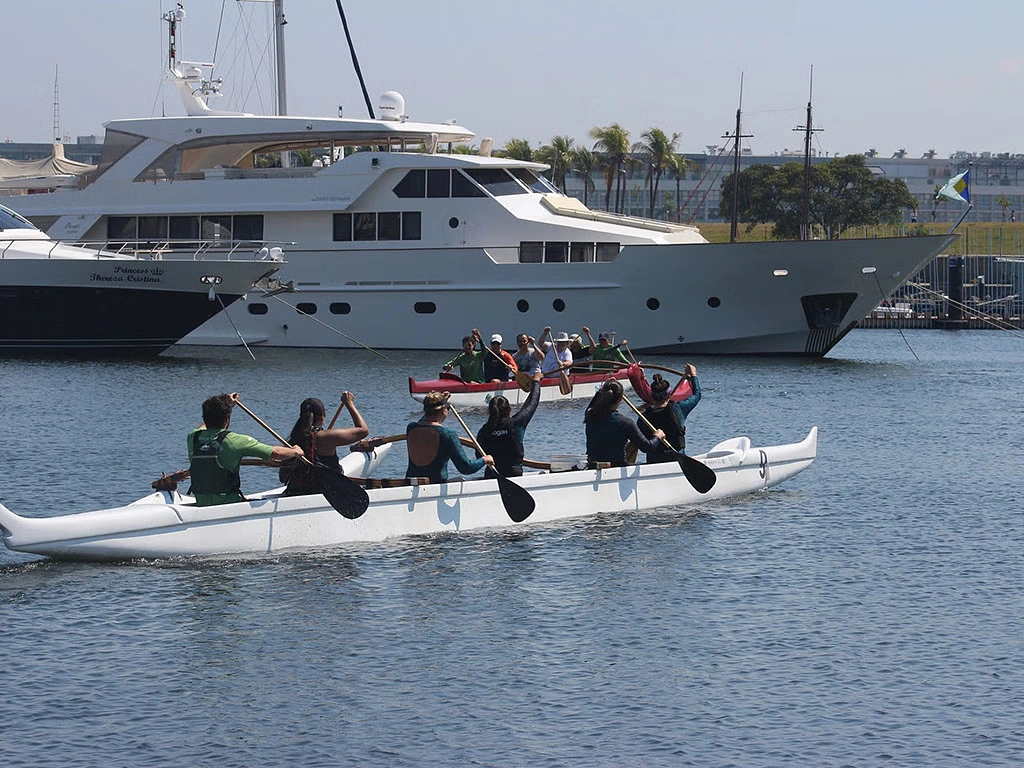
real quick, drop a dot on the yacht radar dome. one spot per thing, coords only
(392, 106)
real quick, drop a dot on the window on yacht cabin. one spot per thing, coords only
(389, 225)
(463, 187)
(607, 251)
(180, 227)
(256, 308)
(247, 227)
(496, 181)
(411, 225)
(439, 182)
(531, 252)
(342, 227)
(216, 227)
(122, 228)
(581, 252)
(556, 253)
(10, 220)
(340, 308)
(306, 308)
(153, 228)
(413, 184)
(364, 226)
(533, 181)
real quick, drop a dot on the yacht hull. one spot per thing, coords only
(777, 298)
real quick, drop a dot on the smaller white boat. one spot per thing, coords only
(60, 297)
(167, 524)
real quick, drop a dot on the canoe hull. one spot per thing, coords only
(472, 394)
(160, 525)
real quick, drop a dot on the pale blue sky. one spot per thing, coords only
(887, 75)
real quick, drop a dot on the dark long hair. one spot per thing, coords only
(659, 388)
(499, 413)
(311, 409)
(605, 401)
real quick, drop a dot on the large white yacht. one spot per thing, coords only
(397, 243)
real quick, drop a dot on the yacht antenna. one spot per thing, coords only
(355, 61)
(56, 105)
(734, 228)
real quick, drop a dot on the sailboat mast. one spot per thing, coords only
(734, 229)
(805, 225)
(282, 87)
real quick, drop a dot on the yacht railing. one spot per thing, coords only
(157, 250)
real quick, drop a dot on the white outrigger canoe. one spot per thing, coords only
(168, 524)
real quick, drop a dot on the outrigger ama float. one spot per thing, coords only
(169, 524)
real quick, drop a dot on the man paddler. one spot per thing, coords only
(215, 453)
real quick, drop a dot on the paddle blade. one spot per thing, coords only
(700, 476)
(348, 498)
(564, 385)
(524, 380)
(518, 502)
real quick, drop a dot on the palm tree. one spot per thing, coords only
(613, 142)
(558, 154)
(677, 166)
(518, 149)
(464, 149)
(584, 162)
(658, 149)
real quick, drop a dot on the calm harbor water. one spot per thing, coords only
(866, 613)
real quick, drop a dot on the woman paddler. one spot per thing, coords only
(502, 435)
(318, 444)
(431, 445)
(608, 430)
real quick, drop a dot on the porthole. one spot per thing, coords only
(558, 305)
(653, 304)
(523, 305)
(257, 309)
(340, 308)
(306, 307)
(424, 307)
(453, 223)
(714, 302)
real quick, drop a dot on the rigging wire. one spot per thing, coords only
(225, 311)
(327, 326)
(902, 336)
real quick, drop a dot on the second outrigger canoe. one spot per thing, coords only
(469, 394)
(168, 524)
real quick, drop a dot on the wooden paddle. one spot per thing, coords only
(348, 498)
(699, 475)
(518, 502)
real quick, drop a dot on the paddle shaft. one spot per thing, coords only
(270, 429)
(472, 437)
(697, 474)
(636, 410)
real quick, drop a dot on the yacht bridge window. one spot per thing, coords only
(559, 252)
(366, 226)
